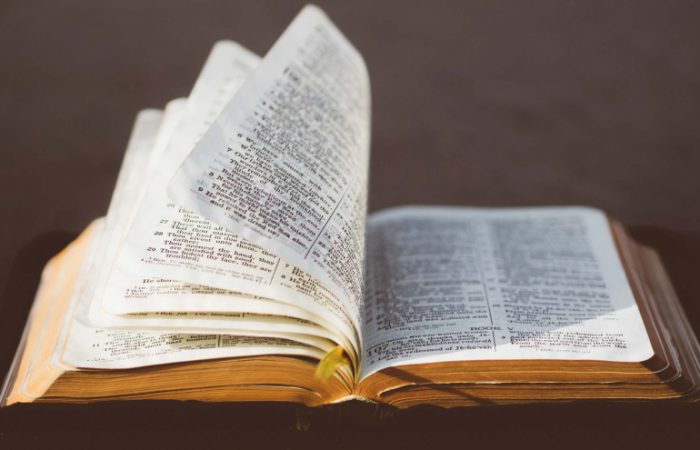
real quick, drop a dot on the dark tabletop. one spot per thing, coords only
(477, 103)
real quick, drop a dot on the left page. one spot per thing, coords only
(173, 260)
(85, 346)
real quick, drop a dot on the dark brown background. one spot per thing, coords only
(475, 103)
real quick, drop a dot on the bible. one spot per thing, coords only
(237, 262)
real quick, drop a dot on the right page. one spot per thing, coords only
(455, 284)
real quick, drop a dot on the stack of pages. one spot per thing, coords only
(236, 262)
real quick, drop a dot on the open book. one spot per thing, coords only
(236, 262)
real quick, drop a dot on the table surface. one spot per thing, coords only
(474, 103)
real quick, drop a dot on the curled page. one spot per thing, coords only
(285, 163)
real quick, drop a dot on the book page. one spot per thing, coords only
(86, 346)
(454, 284)
(173, 260)
(96, 348)
(285, 163)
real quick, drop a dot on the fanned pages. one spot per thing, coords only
(221, 271)
(285, 163)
